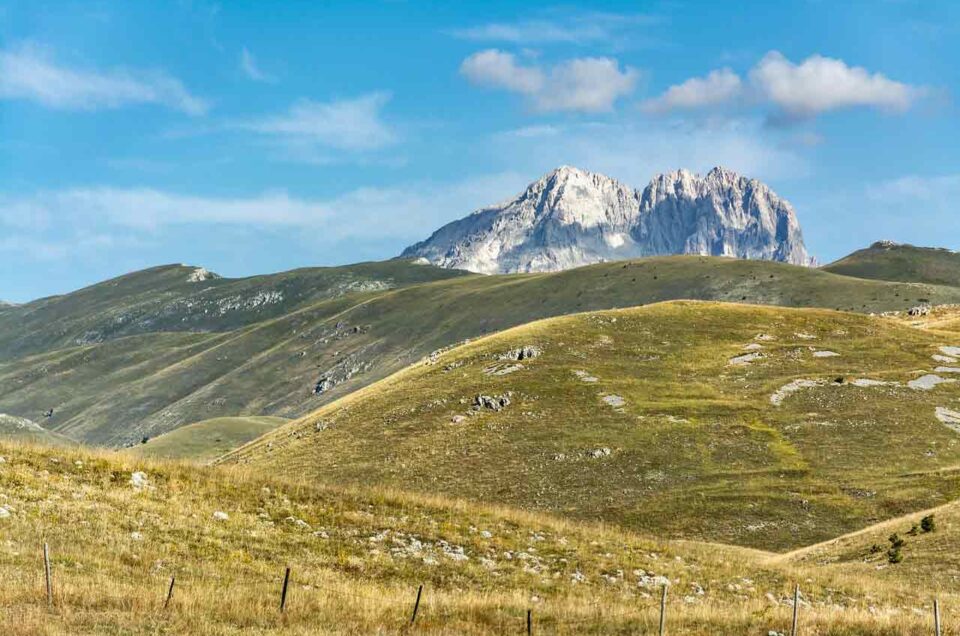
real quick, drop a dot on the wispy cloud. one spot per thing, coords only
(250, 68)
(792, 91)
(579, 28)
(403, 213)
(30, 73)
(354, 125)
(588, 84)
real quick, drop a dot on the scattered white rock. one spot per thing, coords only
(746, 358)
(139, 480)
(753, 346)
(3, 460)
(949, 417)
(584, 376)
(927, 382)
(947, 369)
(951, 351)
(825, 354)
(792, 387)
(4, 513)
(597, 453)
(945, 359)
(136, 536)
(764, 337)
(219, 515)
(867, 382)
(614, 400)
(805, 336)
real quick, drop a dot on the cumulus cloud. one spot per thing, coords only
(718, 87)
(793, 91)
(820, 84)
(355, 124)
(30, 73)
(250, 68)
(589, 84)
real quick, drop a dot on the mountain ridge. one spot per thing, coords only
(572, 217)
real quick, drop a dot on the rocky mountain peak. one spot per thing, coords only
(572, 217)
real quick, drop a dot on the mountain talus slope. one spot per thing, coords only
(571, 217)
(764, 427)
(117, 390)
(885, 260)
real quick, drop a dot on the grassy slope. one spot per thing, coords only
(357, 561)
(207, 440)
(907, 263)
(116, 391)
(697, 450)
(22, 429)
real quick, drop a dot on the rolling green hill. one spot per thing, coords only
(207, 440)
(891, 261)
(763, 427)
(341, 331)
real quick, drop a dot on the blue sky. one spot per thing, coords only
(250, 137)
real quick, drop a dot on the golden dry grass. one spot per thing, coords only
(115, 547)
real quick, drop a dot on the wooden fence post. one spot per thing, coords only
(663, 610)
(529, 622)
(936, 615)
(47, 573)
(796, 609)
(166, 603)
(416, 605)
(283, 593)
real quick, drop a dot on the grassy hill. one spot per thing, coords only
(207, 440)
(168, 363)
(22, 429)
(890, 261)
(358, 555)
(763, 427)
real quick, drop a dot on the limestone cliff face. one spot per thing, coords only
(572, 217)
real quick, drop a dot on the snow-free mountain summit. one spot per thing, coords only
(571, 217)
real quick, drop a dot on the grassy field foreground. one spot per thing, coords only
(119, 527)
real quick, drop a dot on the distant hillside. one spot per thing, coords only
(24, 430)
(763, 427)
(885, 260)
(338, 333)
(207, 440)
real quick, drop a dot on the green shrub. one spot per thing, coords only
(928, 524)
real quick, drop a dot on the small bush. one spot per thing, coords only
(914, 531)
(876, 549)
(896, 541)
(894, 555)
(928, 524)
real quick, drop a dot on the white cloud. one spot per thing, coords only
(400, 213)
(718, 87)
(349, 124)
(589, 84)
(30, 73)
(795, 91)
(573, 28)
(494, 68)
(248, 64)
(820, 84)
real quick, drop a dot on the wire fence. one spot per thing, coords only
(508, 620)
